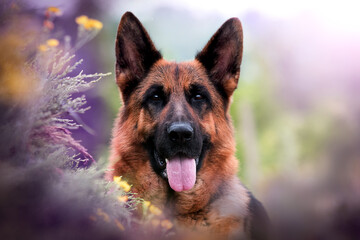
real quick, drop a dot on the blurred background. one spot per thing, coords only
(296, 111)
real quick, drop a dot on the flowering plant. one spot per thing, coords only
(39, 158)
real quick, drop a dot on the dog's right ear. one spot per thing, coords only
(222, 56)
(135, 54)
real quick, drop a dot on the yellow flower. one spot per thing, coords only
(89, 23)
(52, 42)
(42, 48)
(97, 24)
(155, 222)
(123, 184)
(166, 224)
(146, 203)
(117, 179)
(54, 10)
(119, 225)
(155, 210)
(123, 198)
(81, 20)
(93, 23)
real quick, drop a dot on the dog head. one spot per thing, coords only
(178, 111)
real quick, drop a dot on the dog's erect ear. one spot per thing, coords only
(222, 56)
(135, 54)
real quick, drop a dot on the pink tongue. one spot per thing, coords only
(181, 173)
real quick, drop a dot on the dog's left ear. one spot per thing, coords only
(222, 56)
(135, 54)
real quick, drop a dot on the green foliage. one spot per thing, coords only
(281, 139)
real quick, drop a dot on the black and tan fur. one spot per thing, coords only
(157, 93)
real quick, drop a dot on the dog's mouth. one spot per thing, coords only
(178, 164)
(180, 170)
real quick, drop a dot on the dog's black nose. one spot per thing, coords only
(180, 132)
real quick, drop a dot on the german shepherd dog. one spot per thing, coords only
(173, 138)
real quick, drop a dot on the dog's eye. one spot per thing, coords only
(198, 97)
(155, 97)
